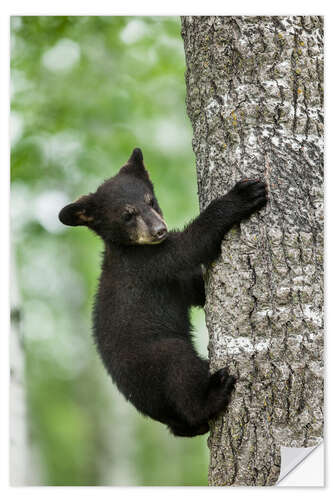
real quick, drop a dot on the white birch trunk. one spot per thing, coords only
(17, 408)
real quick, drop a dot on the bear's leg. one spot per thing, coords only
(195, 408)
(221, 385)
(195, 395)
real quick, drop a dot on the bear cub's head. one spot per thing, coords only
(123, 210)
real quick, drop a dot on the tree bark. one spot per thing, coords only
(255, 100)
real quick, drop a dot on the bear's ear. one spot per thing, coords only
(79, 213)
(136, 158)
(135, 165)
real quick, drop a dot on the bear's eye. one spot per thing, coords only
(128, 216)
(151, 202)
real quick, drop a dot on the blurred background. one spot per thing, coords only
(84, 92)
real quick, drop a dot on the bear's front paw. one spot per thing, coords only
(248, 195)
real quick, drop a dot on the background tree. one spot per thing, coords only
(255, 100)
(19, 451)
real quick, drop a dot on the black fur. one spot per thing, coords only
(141, 314)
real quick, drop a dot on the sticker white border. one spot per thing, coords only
(302, 466)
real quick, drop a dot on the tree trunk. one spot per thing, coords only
(255, 100)
(18, 420)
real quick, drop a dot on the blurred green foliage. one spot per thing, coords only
(84, 92)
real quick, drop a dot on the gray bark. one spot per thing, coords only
(255, 100)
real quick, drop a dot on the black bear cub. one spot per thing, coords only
(150, 278)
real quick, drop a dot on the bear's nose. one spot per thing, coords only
(159, 231)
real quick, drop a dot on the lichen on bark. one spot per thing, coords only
(255, 100)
